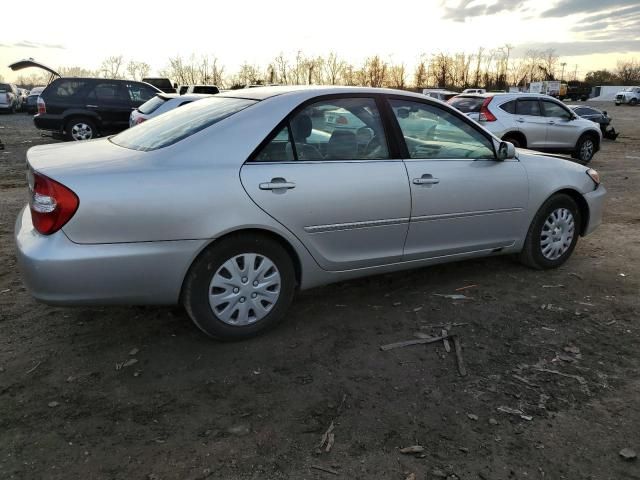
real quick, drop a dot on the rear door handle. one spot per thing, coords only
(520, 120)
(551, 122)
(277, 183)
(92, 106)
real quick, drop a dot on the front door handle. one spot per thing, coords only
(276, 184)
(426, 179)
(92, 106)
(551, 122)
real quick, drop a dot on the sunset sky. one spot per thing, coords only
(589, 34)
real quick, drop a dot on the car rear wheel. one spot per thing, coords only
(633, 101)
(585, 148)
(79, 129)
(239, 287)
(514, 140)
(553, 233)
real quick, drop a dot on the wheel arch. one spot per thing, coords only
(595, 135)
(293, 254)
(518, 135)
(582, 205)
(71, 114)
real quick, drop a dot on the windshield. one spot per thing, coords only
(630, 89)
(178, 124)
(467, 104)
(152, 105)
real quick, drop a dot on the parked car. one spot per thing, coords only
(163, 84)
(161, 103)
(474, 90)
(84, 108)
(439, 93)
(532, 120)
(9, 97)
(630, 96)
(32, 99)
(598, 116)
(210, 205)
(208, 89)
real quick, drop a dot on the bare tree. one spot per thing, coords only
(138, 70)
(398, 76)
(333, 68)
(628, 71)
(421, 73)
(375, 72)
(112, 67)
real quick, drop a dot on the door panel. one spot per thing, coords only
(530, 121)
(348, 214)
(475, 205)
(561, 132)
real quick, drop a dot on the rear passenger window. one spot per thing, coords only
(140, 93)
(107, 93)
(68, 88)
(509, 107)
(338, 129)
(528, 106)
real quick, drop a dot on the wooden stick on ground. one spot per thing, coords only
(408, 343)
(458, 347)
(324, 469)
(445, 335)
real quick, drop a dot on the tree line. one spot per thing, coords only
(493, 69)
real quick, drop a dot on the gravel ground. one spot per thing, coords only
(560, 346)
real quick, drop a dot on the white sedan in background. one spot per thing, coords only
(160, 104)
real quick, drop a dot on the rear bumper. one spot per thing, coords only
(595, 200)
(48, 122)
(57, 271)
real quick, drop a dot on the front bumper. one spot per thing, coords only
(595, 201)
(60, 272)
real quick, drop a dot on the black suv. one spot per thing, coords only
(84, 108)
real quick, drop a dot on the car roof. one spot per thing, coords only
(310, 91)
(187, 96)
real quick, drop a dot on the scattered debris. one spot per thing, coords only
(417, 309)
(458, 347)
(578, 378)
(445, 340)
(493, 421)
(6, 290)
(133, 352)
(453, 296)
(397, 304)
(240, 429)
(525, 381)
(628, 454)
(436, 472)
(412, 449)
(572, 349)
(466, 287)
(472, 416)
(325, 438)
(53, 404)
(622, 274)
(463, 449)
(408, 343)
(552, 308)
(422, 335)
(324, 469)
(445, 325)
(411, 476)
(330, 442)
(553, 286)
(515, 411)
(608, 324)
(577, 275)
(128, 363)
(31, 370)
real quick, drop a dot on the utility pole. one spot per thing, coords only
(563, 64)
(575, 73)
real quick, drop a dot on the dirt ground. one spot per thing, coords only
(559, 346)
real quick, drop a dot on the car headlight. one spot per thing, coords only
(595, 176)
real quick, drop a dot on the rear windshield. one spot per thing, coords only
(206, 89)
(180, 123)
(5, 87)
(467, 104)
(152, 105)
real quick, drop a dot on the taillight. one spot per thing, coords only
(485, 114)
(8, 98)
(42, 107)
(52, 204)
(139, 120)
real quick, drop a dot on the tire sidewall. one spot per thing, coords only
(554, 203)
(514, 141)
(581, 141)
(196, 291)
(73, 121)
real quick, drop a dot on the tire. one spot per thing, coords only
(80, 129)
(218, 272)
(633, 102)
(545, 247)
(515, 140)
(585, 148)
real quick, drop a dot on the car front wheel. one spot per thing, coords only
(553, 233)
(585, 148)
(240, 287)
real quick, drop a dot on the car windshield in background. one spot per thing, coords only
(152, 105)
(206, 89)
(467, 104)
(180, 123)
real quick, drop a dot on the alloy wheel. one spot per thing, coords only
(81, 131)
(557, 233)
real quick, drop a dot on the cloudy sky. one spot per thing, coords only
(586, 34)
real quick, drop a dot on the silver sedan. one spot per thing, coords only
(232, 203)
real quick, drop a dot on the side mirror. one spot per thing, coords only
(506, 150)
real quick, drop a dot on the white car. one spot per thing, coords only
(161, 103)
(474, 90)
(534, 121)
(439, 93)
